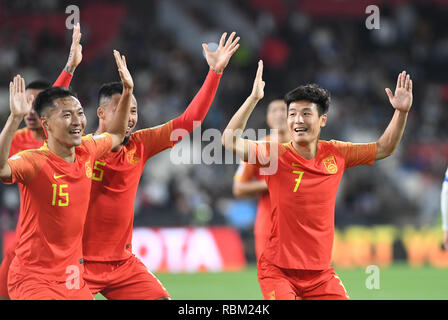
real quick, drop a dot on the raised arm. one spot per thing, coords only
(199, 106)
(20, 106)
(121, 117)
(231, 138)
(402, 102)
(73, 61)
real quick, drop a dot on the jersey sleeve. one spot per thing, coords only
(155, 139)
(356, 154)
(265, 154)
(24, 166)
(63, 80)
(98, 145)
(245, 172)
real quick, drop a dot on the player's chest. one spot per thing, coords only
(119, 168)
(299, 178)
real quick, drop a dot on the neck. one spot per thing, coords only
(39, 134)
(65, 152)
(306, 150)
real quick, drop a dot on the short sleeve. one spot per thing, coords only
(245, 172)
(265, 154)
(155, 139)
(356, 154)
(24, 166)
(99, 145)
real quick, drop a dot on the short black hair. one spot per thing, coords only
(46, 98)
(312, 93)
(38, 85)
(107, 90)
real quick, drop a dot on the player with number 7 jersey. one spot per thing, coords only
(303, 176)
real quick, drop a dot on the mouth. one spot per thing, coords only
(75, 132)
(300, 130)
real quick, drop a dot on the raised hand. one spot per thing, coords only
(258, 88)
(219, 59)
(19, 104)
(125, 75)
(75, 56)
(402, 99)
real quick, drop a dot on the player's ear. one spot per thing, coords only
(44, 122)
(323, 120)
(100, 112)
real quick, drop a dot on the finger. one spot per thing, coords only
(260, 69)
(16, 84)
(234, 49)
(410, 85)
(229, 41)
(234, 42)
(398, 81)
(123, 59)
(117, 58)
(389, 93)
(223, 38)
(408, 78)
(22, 85)
(11, 89)
(205, 47)
(403, 79)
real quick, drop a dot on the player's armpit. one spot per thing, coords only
(6, 173)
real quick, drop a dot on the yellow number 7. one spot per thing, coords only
(300, 173)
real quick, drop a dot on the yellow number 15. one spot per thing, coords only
(61, 194)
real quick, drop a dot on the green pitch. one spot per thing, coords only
(397, 282)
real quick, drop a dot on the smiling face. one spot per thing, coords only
(65, 123)
(106, 112)
(304, 122)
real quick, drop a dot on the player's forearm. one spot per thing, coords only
(6, 136)
(231, 138)
(392, 135)
(444, 205)
(121, 117)
(251, 188)
(64, 79)
(200, 105)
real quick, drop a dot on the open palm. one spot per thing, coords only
(123, 70)
(219, 59)
(402, 99)
(19, 104)
(258, 87)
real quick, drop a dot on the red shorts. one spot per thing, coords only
(123, 280)
(31, 286)
(294, 284)
(4, 268)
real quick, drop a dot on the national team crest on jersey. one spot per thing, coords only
(330, 165)
(132, 159)
(88, 170)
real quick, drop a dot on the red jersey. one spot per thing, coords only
(110, 218)
(303, 195)
(55, 201)
(23, 140)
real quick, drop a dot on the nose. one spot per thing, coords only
(76, 120)
(300, 118)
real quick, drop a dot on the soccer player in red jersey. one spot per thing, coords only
(33, 135)
(110, 266)
(56, 185)
(303, 177)
(249, 182)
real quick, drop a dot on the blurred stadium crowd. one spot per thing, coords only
(300, 42)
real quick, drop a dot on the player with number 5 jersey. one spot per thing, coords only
(110, 266)
(303, 176)
(56, 183)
